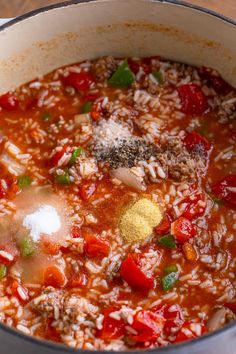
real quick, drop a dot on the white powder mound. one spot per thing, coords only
(44, 220)
(109, 133)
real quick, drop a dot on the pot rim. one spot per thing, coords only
(179, 3)
(162, 350)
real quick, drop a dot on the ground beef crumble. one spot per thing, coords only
(48, 301)
(150, 84)
(180, 163)
(226, 108)
(104, 67)
(61, 305)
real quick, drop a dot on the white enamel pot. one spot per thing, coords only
(36, 43)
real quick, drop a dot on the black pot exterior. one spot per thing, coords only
(220, 342)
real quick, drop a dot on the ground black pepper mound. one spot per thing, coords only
(127, 154)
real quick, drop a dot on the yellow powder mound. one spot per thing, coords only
(139, 219)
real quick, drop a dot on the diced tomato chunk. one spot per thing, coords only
(9, 102)
(220, 85)
(233, 134)
(95, 246)
(75, 232)
(13, 187)
(193, 99)
(173, 315)
(77, 281)
(190, 252)
(164, 227)
(231, 306)
(19, 291)
(196, 206)
(86, 190)
(148, 60)
(80, 81)
(174, 319)
(51, 332)
(8, 191)
(136, 65)
(182, 229)
(144, 63)
(197, 143)
(111, 328)
(56, 157)
(8, 254)
(190, 330)
(216, 81)
(3, 188)
(54, 276)
(30, 103)
(89, 98)
(132, 273)
(148, 325)
(226, 189)
(49, 246)
(97, 110)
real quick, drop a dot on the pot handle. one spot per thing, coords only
(4, 20)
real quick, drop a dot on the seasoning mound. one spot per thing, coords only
(139, 219)
(44, 220)
(113, 144)
(109, 133)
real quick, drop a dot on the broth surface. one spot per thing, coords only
(109, 145)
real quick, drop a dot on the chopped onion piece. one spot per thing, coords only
(220, 318)
(13, 159)
(13, 166)
(128, 178)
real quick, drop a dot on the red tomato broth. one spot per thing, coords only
(83, 197)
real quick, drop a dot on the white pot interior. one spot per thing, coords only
(64, 35)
